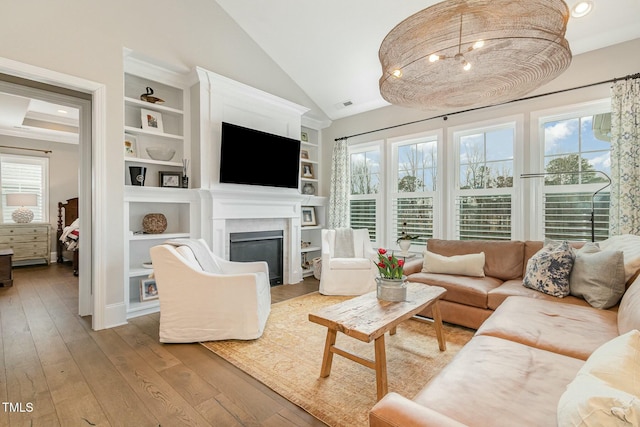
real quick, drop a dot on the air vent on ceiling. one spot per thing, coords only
(343, 104)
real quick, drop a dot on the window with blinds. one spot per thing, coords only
(363, 214)
(415, 162)
(484, 191)
(484, 217)
(567, 216)
(365, 199)
(414, 216)
(25, 174)
(577, 153)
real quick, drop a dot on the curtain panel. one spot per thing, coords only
(340, 186)
(625, 157)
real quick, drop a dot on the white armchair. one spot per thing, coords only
(197, 306)
(348, 276)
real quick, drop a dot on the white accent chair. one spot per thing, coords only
(348, 276)
(197, 306)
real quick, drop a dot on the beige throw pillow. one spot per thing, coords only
(606, 389)
(598, 276)
(463, 265)
(629, 244)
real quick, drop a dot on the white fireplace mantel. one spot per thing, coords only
(257, 207)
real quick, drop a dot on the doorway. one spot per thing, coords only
(68, 139)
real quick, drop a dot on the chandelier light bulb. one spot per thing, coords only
(478, 44)
(433, 57)
(466, 65)
(397, 73)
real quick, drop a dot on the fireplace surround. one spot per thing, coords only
(237, 209)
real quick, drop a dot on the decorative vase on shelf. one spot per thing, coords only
(391, 289)
(404, 244)
(138, 174)
(308, 188)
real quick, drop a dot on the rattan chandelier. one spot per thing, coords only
(471, 53)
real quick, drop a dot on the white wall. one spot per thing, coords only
(86, 39)
(592, 67)
(63, 171)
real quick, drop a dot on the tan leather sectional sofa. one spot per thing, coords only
(517, 366)
(469, 301)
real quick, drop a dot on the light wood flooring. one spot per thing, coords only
(56, 371)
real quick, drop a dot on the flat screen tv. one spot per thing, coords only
(253, 157)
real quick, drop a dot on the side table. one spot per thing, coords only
(6, 273)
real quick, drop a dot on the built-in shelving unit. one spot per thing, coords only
(311, 245)
(178, 205)
(170, 116)
(309, 161)
(179, 208)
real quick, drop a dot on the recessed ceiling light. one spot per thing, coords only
(582, 8)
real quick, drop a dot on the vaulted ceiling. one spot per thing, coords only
(330, 47)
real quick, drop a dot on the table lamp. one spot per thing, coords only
(22, 215)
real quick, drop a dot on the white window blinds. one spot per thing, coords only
(25, 174)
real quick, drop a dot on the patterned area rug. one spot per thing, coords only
(287, 358)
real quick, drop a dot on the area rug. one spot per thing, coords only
(287, 359)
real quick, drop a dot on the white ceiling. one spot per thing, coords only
(330, 47)
(35, 119)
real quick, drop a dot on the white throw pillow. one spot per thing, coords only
(606, 389)
(463, 265)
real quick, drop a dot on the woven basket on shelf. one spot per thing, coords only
(154, 223)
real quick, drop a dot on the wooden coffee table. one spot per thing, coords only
(366, 318)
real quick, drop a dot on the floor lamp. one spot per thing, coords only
(593, 196)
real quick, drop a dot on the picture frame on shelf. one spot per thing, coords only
(151, 120)
(170, 179)
(308, 216)
(307, 170)
(148, 289)
(304, 137)
(304, 154)
(130, 146)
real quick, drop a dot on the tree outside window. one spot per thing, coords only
(365, 188)
(416, 181)
(576, 151)
(485, 190)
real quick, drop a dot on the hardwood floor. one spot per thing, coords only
(56, 371)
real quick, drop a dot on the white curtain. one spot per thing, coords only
(340, 186)
(625, 157)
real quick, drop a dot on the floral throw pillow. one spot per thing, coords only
(548, 270)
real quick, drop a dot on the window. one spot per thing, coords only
(414, 188)
(366, 188)
(576, 165)
(484, 192)
(25, 174)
